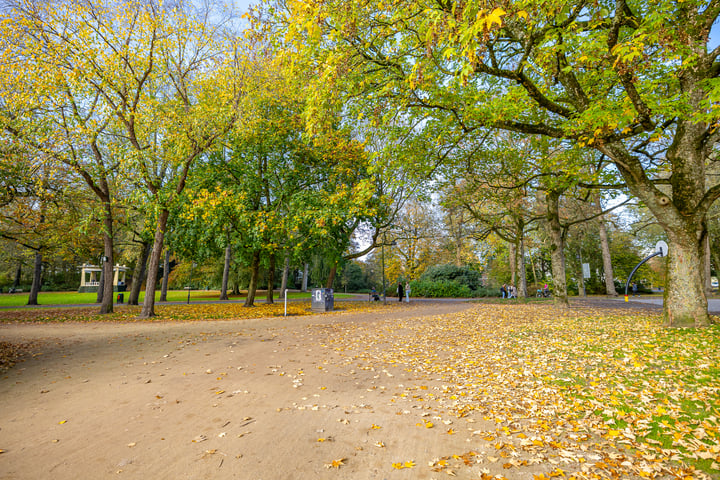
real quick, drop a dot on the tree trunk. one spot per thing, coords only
(148, 309)
(271, 280)
(37, 279)
(305, 277)
(286, 271)
(101, 284)
(685, 303)
(226, 273)
(557, 248)
(512, 260)
(535, 278)
(139, 273)
(682, 212)
(522, 273)
(107, 287)
(331, 276)
(166, 276)
(607, 259)
(254, 274)
(18, 277)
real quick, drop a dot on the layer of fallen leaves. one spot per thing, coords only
(604, 394)
(165, 313)
(11, 353)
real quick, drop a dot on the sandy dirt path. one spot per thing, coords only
(254, 399)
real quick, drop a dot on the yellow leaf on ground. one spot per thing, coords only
(335, 463)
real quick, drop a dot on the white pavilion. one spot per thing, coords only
(90, 277)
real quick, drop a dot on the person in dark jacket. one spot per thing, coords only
(400, 291)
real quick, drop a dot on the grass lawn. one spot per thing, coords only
(74, 298)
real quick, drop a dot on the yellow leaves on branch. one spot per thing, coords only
(488, 19)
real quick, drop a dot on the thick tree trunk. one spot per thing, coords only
(684, 299)
(331, 276)
(681, 212)
(148, 309)
(166, 276)
(226, 273)
(271, 280)
(254, 274)
(522, 273)
(557, 249)
(286, 272)
(305, 277)
(139, 273)
(37, 280)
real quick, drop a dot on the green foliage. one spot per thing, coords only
(450, 281)
(353, 278)
(461, 275)
(440, 289)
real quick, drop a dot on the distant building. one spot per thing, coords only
(90, 278)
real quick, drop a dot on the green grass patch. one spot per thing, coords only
(75, 298)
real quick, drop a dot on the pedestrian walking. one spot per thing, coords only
(635, 289)
(407, 292)
(503, 291)
(400, 291)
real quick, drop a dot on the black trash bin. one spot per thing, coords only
(120, 297)
(322, 300)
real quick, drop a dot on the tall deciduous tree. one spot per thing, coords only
(134, 88)
(633, 80)
(49, 106)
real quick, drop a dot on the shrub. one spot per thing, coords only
(449, 272)
(438, 289)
